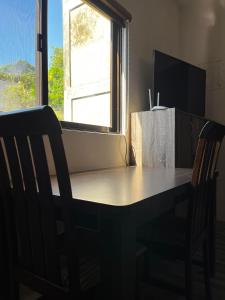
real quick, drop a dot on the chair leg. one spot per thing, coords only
(188, 278)
(146, 267)
(207, 270)
(144, 274)
(13, 285)
(212, 248)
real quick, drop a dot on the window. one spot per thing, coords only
(65, 53)
(84, 63)
(17, 59)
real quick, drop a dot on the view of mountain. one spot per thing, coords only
(17, 84)
(20, 67)
(16, 81)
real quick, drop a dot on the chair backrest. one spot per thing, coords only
(203, 176)
(25, 187)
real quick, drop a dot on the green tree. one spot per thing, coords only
(56, 82)
(20, 90)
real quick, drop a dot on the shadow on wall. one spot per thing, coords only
(145, 81)
(197, 19)
(215, 100)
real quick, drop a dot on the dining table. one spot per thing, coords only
(117, 201)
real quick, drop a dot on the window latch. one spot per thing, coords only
(39, 42)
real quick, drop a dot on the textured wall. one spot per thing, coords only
(153, 138)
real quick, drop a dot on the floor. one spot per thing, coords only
(174, 273)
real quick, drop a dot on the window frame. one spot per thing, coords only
(118, 16)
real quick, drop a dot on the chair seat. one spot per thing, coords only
(164, 236)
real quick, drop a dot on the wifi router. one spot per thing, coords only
(157, 107)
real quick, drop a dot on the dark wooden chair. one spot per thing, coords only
(174, 237)
(34, 256)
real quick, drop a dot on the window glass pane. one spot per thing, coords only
(94, 107)
(90, 62)
(55, 58)
(79, 63)
(17, 54)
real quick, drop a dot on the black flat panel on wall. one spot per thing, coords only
(180, 84)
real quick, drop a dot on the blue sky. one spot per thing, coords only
(17, 29)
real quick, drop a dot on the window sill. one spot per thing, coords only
(87, 128)
(97, 133)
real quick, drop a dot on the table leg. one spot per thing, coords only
(118, 257)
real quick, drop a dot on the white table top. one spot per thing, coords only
(124, 186)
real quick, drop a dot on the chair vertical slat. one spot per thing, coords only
(201, 166)
(9, 228)
(4, 174)
(47, 209)
(198, 163)
(215, 158)
(20, 204)
(66, 194)
(33, 205)
(206, 162)
(211, 159)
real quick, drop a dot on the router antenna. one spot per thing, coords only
(158, 99)
(150, 98)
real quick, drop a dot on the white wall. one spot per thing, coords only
(91, 151)
(154, 25)
(202, 42)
